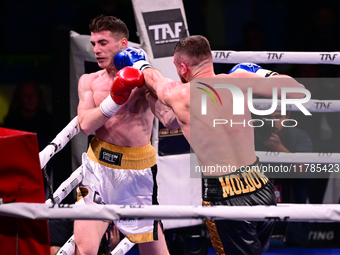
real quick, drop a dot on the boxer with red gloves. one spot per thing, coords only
(124, 82)
(120, 164)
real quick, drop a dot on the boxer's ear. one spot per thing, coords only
(123, 43)
(184, 69)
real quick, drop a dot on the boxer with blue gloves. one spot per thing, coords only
(252, 68)
(222, 145)
(131, 56)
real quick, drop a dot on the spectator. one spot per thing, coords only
(28, 112)
(294, 190)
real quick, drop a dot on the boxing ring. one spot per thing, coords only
(53, 209)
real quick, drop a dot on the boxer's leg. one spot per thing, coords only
(155, 247)
(87, 236)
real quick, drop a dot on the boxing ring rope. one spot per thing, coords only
(59, 141)
(312, 105)
(282, 212)
(275, 57)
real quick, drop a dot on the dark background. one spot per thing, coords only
(27, 27)
(34, 46)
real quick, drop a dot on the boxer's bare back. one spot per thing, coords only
(227, 145)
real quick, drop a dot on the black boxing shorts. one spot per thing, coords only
(246, 186)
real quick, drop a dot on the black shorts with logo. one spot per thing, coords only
(239, 188)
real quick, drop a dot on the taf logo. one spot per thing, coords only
(222, 54)
(165, 29)
(274, 56)
(328, 57)
(163, 33)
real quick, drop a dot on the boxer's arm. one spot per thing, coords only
(158, 84)
(264, 86)
(162, 112)
(90, 117)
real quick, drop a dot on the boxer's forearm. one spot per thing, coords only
(91, 120)
(166, 116)
(155, 81)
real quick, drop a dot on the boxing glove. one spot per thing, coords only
(124, 82)
(131, 56)
(252, 68)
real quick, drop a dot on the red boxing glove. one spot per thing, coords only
(125, 81)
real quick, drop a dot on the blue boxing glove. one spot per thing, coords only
(252, 68)
(131, 56)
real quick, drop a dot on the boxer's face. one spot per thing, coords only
(105, 46)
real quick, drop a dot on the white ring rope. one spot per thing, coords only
(276, 57)
(122, 248)
(312, 105)
(300, 157)
(59, 141)
(282, 212)
(67, 186)
(68, 248)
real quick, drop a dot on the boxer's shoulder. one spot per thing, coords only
(176, 91)
(89, 78)
(176, 87)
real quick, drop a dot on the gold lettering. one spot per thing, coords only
(236, 177)
(253, 176)
(250, 185)
(226, 187)
(259, 174)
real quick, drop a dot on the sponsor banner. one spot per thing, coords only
(160, 25)
(165, 28)
(265, 57)
(324, 235)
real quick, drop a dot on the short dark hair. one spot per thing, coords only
(110, 23)
(196, 47)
